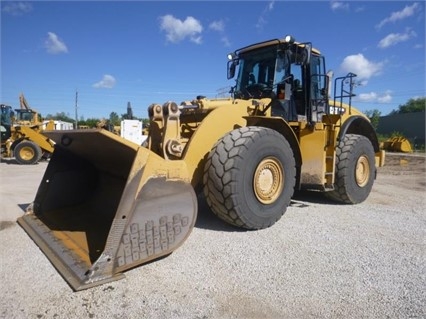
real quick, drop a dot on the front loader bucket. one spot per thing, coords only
(401, 144)
(106, 205)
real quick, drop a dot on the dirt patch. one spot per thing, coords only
(403, 164)
(6, 224)
(403, 173)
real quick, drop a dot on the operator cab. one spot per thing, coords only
(25, 115)
(6, 121)
(291, 74)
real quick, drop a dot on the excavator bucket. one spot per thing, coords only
(106, 205)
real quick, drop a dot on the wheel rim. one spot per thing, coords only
(26, 153)
(268, 180)
(362, 171)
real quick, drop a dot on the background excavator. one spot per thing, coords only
(22, 134)
(106, 204)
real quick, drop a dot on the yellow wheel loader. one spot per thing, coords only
(22, 136)
(106, 205)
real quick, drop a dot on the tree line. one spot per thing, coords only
(411, 106)
(113, 119)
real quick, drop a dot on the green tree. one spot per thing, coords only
(91, 122)
(60, 116)
(412, 106)
(114, 119)
(374, 116)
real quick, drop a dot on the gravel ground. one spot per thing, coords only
(321, 260)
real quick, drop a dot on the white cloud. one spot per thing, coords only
(408, 11)
(359, 9)
(385, 97)
(394, 38)
(338, 5)
(264, 15)
(217, 25)
(362, 67)
(17, 8)
(54, 45)
(177, 30)
(107, 82)
(225, 41)
(367, 97)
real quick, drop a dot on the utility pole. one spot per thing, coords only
(76, 106)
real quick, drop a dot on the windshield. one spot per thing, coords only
(256, 73)
(262, 70)
(5, 115)
(24, 115)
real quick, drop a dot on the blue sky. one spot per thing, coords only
(147, 52)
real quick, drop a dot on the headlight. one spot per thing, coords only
(289, 39)
(231, 56)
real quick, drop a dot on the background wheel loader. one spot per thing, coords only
(21, 134)
(96, 216)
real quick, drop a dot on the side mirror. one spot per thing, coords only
(307, 53)
(231, 68)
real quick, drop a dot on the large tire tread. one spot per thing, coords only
(223, 166)
(36, 150)
(345, 190)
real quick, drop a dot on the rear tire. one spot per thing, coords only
(249, 177)
(355, 170)
(27, 152)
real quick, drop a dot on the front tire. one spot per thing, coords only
(355, 170)
(27, 152)
(249, 177)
